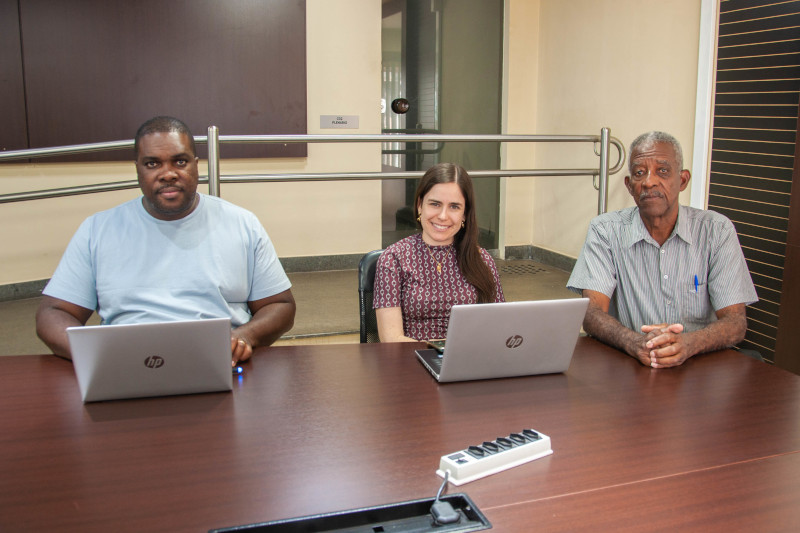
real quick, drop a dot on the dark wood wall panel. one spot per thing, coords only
(780, 45)
(782, 149)
(767, 309)
(783, 60)
(772, 264)
(772, 272)
(723, 133)
(755, 123)
(727, 167)
(768, 36)
(96, 69)
(741, 21)
(764, 196)
(763, 159)
(761, 316)
(761, 243)
(751, 215)
(762, 111)
(754, 98)
(766, 213)
(753, 183)
(14, 131)
(754, 145)
(750, 74)
(759, 232)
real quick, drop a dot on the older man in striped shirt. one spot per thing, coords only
(664, 281)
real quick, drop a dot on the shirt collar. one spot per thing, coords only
(682, 225)
(639, 233)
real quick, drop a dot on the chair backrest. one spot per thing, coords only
(366, 281)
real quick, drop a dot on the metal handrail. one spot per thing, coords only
(412, 151)
(214, 179)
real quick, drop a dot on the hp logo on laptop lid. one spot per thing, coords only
(515, 341)
(154, 361)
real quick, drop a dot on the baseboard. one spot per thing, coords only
(23, 290)
(317, 263)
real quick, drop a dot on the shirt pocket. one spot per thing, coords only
(696, 312)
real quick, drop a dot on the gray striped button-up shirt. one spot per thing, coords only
(699, 269)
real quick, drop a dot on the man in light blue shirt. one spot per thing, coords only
(172, 254)
(664, 281)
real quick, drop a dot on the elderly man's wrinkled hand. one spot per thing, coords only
(640, 349)
(666, 345)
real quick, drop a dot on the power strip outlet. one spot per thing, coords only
(494, 456)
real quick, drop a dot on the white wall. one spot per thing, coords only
(331, 218)
(344, 78)
(630, 65)
(521, 80)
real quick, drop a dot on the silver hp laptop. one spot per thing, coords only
(507, 339)
(157, 359)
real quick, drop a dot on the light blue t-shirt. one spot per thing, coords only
(133, 268)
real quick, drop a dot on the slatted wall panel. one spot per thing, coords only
(755, 122)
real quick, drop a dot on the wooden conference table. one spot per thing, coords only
(712, 445)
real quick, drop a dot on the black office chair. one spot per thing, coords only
(366, 280)
(749, 352)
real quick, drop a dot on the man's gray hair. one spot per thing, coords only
(652, 137)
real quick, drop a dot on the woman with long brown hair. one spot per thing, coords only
(419, 278)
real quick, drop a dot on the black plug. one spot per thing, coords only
(443, 513)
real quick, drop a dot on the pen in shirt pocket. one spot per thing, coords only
(695, 283)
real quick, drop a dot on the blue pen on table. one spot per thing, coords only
(695, 283)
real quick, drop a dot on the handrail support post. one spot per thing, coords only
(602, 194)
(213, 161)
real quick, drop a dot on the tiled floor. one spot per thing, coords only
(327, 305)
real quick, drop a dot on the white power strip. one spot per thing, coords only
(494, 456)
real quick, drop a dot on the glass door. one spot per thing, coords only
(442, 73)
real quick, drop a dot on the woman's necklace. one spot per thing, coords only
(438, 264)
